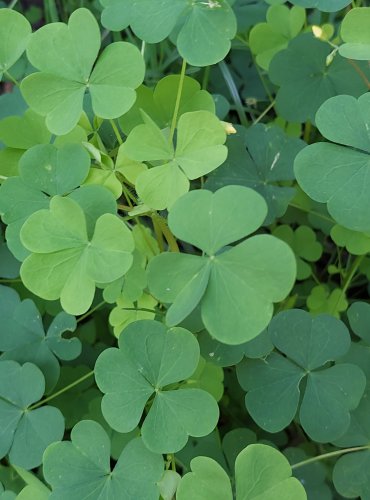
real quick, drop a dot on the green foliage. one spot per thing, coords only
(81, 467)
(308, 344)
(260, 472)
(184, 250)
(186, 281)
(66, 72)
(149, 359)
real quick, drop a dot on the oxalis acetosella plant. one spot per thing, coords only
(184, 240)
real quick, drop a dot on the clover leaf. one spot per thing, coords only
(15, 32)
(275, 387)
(44, 171)
(322, 299)
(350, 475)
(199, 150)
(306, 80)
(354, 32)
(260, 157)
(64, 262)
(66, 72)
(304, 244)
(356, 243)
(267, 39)
(150, 358)
(9, 266)
(22, 337)
(25, 432)
(336, 174)
(81, 468)
(323, 5)
(202, 29)
(260, 472)
(160, 102)
(236, 287)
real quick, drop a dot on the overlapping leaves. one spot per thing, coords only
(274, 385)
(65, 263)
(252, 275)
(260, 157)
(208, 25)
(306, 78)
(199, 150)
(22, 336)
(150, 359)
(81, 468)
(66, 72)
(15, 32)
(260, 472)
(44, 171)
(25, 432)
(337, 174)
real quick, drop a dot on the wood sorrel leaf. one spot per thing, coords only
(25, 433)
(234, 286)
(15, 32)
(80, 468)
(66, 72)
(150, 358)
(64, 262)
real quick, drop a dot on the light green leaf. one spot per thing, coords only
(149, 358)
(356, 243)
(66, 72)
(267, 39)
(207, 480)
(80, 468)
(64, 263)
(160, 103)
(25, 433)
(354, 31)
(15, 32)
(269, 475)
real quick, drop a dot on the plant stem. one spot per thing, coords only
(330, 455)
(312, 212)
(11, 78)
(264, 113)
(12, 4)
(178, 100)
(142, 50)
(171, 240)
(61, 391)
(86, 315)
(116, 131)
(144, 309)
(206, 73)
(360, 72)
(356, 264)
(234, 93)
(307, 132)
(10, 281)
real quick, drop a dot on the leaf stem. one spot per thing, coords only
(116, 131)
(178, 100)
(10, 281)
(360, 72)
(11, 78)
(264, 113)
(234, 93)
(12, 4)
(356, 264)
(171, 240)
(330, 455)
(312, 212)
(86, 315)
(61, 391)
